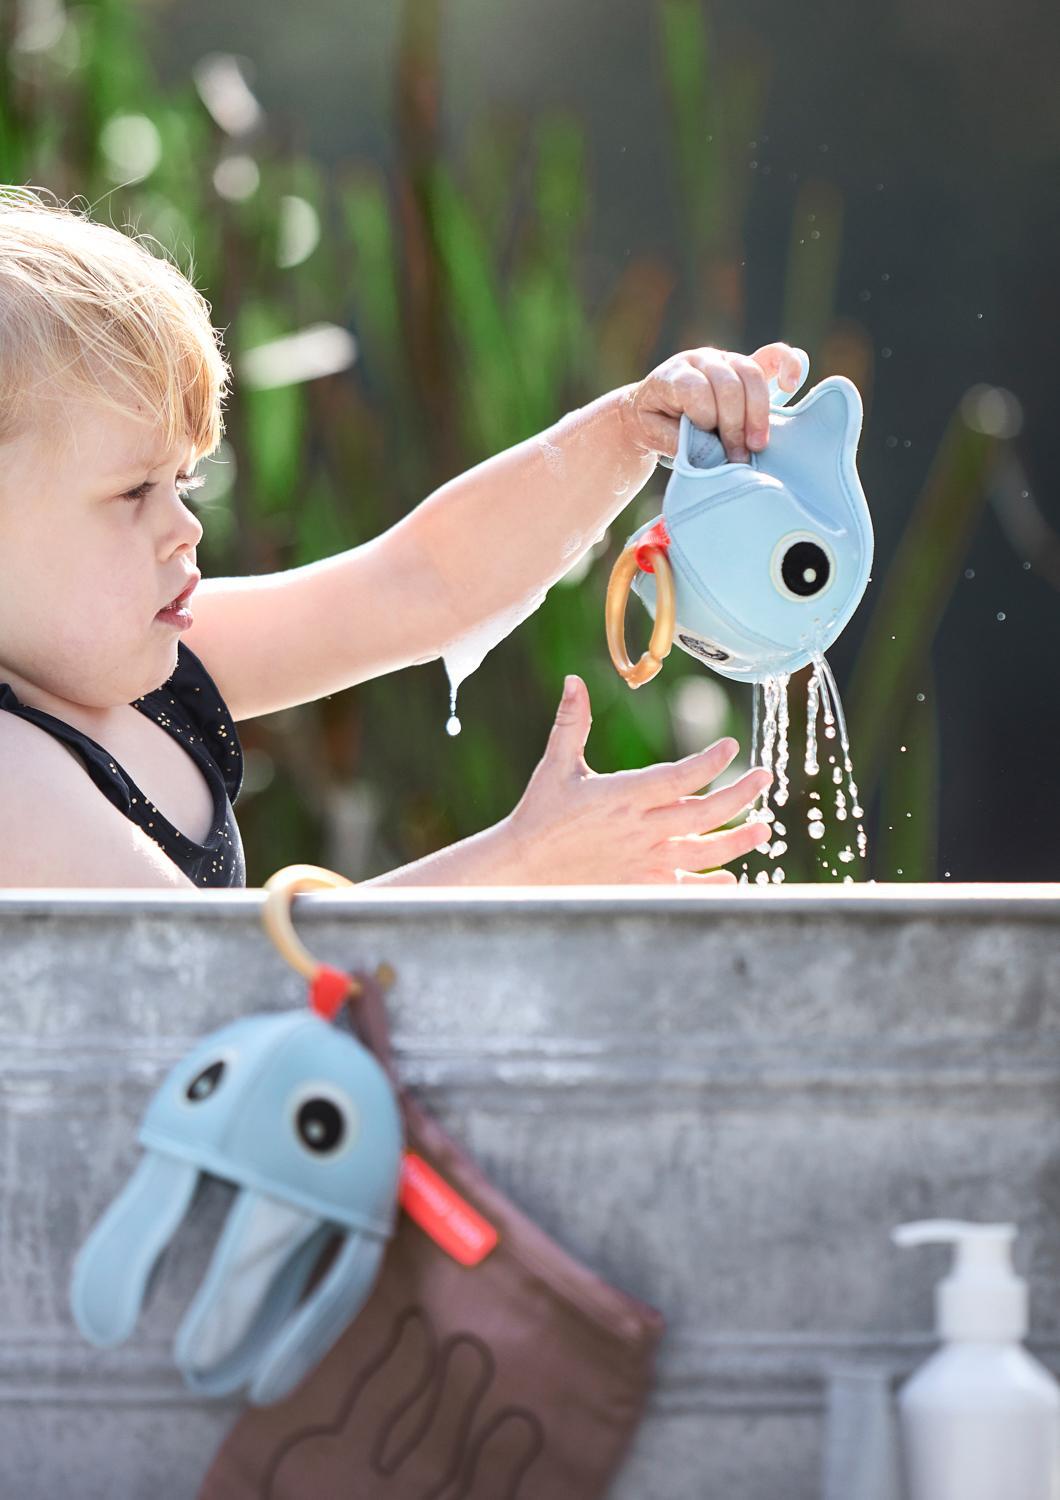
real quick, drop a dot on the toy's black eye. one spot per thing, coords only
(321, 1125)
(703, 648)
(208, 1082)
(805, 569)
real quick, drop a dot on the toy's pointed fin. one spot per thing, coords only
(259, 1270)
(113, 1268)
(310, 1333)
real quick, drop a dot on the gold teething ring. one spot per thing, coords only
(276, 914)
(662, 636)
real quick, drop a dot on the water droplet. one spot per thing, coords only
(907, 443)
(846, 855)
(1001, 614)
(865, 296)
(452, 725)
(920, 697)
(886, 276)
(903, 749)
(901, 872)
(886, 352)
(815, 234)
(969, 572)
(1026, 567)
(816, 831)
(892, 442)
(762, 878)
(978, 315)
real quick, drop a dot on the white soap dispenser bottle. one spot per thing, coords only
(980, 1420)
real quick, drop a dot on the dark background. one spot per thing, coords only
(940, 124)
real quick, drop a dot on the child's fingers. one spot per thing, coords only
(756, 400)
(729, 397)
(706, 850)
(712, 877)
(690, 815)
(779, 359)
(662, 784)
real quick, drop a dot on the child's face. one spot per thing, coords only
(84, 571)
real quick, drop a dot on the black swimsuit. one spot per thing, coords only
(190, 708)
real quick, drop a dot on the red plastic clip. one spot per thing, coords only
(656, 537)
(329, 989)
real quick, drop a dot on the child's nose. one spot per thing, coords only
(184, 523)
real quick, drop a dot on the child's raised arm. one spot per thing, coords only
(479, 546)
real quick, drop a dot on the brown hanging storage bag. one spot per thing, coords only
(486, 1364)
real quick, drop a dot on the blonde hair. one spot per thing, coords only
(88, 310)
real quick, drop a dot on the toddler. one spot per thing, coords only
(123, 673)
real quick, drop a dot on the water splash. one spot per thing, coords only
(769, 749)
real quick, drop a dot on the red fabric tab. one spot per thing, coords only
(328, 990)
(440, 1211)
(655, 536)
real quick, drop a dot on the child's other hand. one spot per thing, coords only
(720, 391)
(574, 827)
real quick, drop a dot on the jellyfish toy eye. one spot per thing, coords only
(321, 1125)
(205, 1083)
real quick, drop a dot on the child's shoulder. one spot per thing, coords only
(57, 829)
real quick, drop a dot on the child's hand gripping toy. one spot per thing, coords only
(754, 567)
(304, 1121)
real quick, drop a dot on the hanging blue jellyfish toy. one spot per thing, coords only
(753, 568)
(304, 1122)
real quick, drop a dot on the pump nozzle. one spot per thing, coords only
(982, 1297)
(951, 1232)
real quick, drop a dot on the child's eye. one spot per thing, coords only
(185, 484)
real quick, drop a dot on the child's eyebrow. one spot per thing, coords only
(133, 470)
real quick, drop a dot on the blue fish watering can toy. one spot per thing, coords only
(754, 568)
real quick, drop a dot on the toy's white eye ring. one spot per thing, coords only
(324, 1120)
(802, 567)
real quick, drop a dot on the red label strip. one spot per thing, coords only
(440, 1211)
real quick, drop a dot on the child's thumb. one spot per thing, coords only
(566, 743)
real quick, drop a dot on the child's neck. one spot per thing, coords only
(94, 721)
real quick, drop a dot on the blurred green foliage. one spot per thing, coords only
(464, 285)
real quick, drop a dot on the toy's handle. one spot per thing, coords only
(662, 636)
(778, 397)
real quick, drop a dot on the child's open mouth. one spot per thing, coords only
(177, 613)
